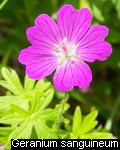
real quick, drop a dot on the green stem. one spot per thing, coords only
(60, 115)
(110, 120)
(63, 103)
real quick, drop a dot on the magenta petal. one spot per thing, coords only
(38, 64)
(81, 22)
(73, 24)
(45, 31)
(72, 73)
(65, 20)
(98, 51)
(95, 34)
(93, 47)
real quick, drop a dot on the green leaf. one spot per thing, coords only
(89, 122)
(77, 118)
(101, 135)
(20, 110)
(38, 95)
(28, 84)
(41, 85)
(84, 3)
(26, 109)
(96, 7)
(97, 12)
(65, 107)
(43, 132)
(44, 101)
(47, 114)
(23, 131)
(12, 119)
(6, 101)
(5, 131)
(12, 82)
(87, 128)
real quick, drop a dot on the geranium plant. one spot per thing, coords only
(65, 46)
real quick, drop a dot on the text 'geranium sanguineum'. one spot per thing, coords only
(65, 46)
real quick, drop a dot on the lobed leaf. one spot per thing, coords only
(12, 82)
(89, 122)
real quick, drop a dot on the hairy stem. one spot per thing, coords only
(60, 115)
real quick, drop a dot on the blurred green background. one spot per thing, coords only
(104, 93)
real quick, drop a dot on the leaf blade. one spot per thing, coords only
(77, 118)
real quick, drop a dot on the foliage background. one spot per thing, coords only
(104, 93)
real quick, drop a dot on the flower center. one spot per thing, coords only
(65, 50)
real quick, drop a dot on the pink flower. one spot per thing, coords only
(65, 46)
